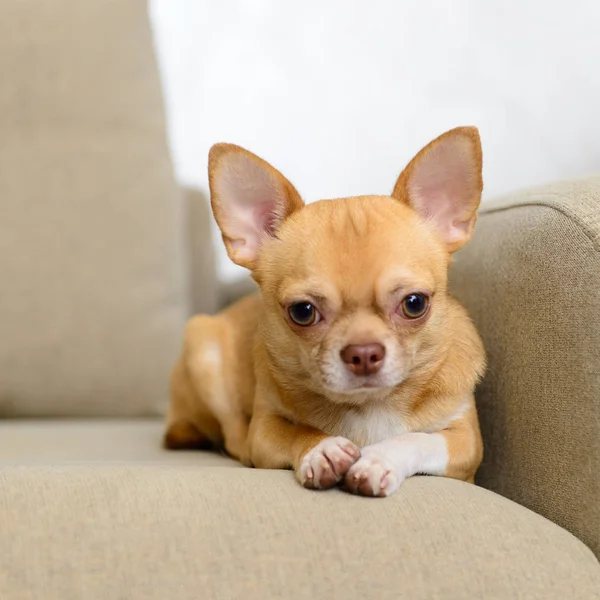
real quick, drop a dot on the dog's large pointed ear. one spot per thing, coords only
(443, 184)
(250, 199)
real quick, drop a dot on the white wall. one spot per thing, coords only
(340, 94)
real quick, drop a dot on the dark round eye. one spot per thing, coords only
(304, 314)
(414, 305)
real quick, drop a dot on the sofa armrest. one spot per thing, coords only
(207, 294)
(201, 263)
(531, 282)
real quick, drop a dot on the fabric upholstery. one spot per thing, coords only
(204, 292)
(231, 291)
(154, 529)
(94, 442)
(93, 289)
(531, 282)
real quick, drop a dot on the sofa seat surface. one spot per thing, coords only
(94, 442)
(106, 513)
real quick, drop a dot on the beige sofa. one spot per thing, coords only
(101, 260)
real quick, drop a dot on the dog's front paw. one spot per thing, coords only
(372, 475)
(324, 465)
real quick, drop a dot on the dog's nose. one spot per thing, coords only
(363, 359)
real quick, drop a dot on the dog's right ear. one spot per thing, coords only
(250, 199)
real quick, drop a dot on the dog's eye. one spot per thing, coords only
(414, 306)
(304, 314)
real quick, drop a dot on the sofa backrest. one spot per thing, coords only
(93, 292)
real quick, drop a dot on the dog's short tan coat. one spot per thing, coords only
(280, 394)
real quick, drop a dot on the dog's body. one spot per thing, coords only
(353, 363)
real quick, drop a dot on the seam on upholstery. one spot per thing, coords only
(590, 233)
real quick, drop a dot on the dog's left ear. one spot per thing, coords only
(443, 184)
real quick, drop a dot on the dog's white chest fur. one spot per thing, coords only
(371, 426)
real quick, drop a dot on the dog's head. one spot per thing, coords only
(355, 289)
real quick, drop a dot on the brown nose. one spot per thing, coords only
(364, 359)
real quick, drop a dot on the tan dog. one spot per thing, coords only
(353, 364)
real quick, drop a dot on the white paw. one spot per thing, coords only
(372, 475)
(326, 464)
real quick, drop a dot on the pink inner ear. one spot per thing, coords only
(250, 199)
(443, 187)
(266, 218)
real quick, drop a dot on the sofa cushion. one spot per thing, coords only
(94, 442)
(154, 532)
(531, 282)
(93, 292)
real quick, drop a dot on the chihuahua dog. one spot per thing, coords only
(353, 365)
